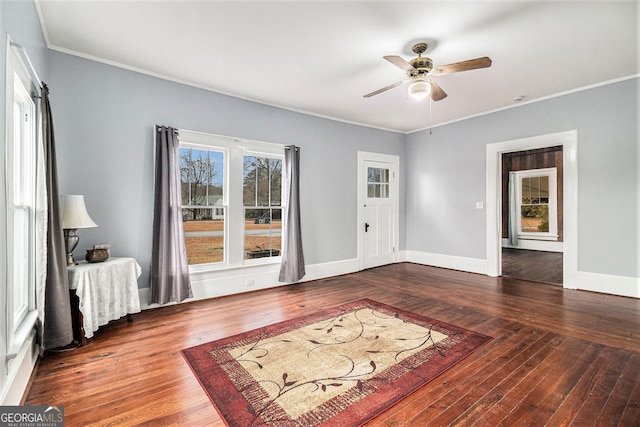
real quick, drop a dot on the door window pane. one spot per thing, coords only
(377, 183)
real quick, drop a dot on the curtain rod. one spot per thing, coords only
(25, 58)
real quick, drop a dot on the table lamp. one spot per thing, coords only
(74, 215)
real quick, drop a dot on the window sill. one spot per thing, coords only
(536, 236)
(222, 268)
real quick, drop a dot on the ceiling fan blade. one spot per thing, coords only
(436, 91)
(456, 67)
(391, 86)
(399, 62)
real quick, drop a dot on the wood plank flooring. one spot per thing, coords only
(559, 357)
(536, 266)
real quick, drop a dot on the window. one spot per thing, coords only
(262, 195)
(537, 204)
(22, 259)
(203, 207)
(231, 200)
(23, 199)
(377, 183)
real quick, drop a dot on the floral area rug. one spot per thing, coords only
(338, 367)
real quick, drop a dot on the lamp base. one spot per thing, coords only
(71, 240)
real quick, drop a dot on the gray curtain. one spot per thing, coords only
(292, 268)
(514, 215)
(169, 268)
(57, 330)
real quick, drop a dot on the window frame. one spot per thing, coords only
(552, 174)
(23, 89)
(234, 150)
(225, 202)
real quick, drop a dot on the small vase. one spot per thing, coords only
(97, 255)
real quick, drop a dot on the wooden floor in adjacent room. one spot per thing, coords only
(559, 357)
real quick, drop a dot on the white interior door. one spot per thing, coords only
(379, 211)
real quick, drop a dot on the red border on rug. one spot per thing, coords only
(236, 411)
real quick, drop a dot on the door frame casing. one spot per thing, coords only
(364, 156)
(569, 142)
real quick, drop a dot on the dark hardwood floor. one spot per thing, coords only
(536, 266)
(559, 357)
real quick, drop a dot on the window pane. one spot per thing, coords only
(544, 189)
(21, 263)
(262, 181)
(201, 176)
(276, 182)
(535, 219)
(204, 234)
(262, 186)
(384, 191)
(373, 174)
(262, 233)
(371, 190)
(526, 190)
(377, 183)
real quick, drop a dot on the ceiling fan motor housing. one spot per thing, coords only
(422, 64)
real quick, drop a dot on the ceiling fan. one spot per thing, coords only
(421, 68)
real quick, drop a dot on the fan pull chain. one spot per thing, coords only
(430, 105)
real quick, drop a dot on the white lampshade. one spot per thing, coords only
(74, 213)
(420, 89)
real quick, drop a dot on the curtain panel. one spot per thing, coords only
(292, 268)
(53, 298)
(169, 269)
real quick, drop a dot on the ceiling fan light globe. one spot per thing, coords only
(419, 90)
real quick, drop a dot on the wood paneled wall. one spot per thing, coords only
(541, 158)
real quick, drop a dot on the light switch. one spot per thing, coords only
(479, 205)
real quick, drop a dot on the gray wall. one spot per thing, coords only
(104, 118)
(446, 175)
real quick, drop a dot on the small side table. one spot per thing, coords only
(105, 291)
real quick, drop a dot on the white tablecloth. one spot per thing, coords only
(106, 290)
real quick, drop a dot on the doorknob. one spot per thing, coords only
(366, 227)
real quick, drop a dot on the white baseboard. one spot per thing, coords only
(608, 284)
(219, 283)
(471, 265)
(20, 369)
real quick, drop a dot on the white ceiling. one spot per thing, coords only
(321, 57)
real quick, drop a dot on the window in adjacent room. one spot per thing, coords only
(537, 204)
